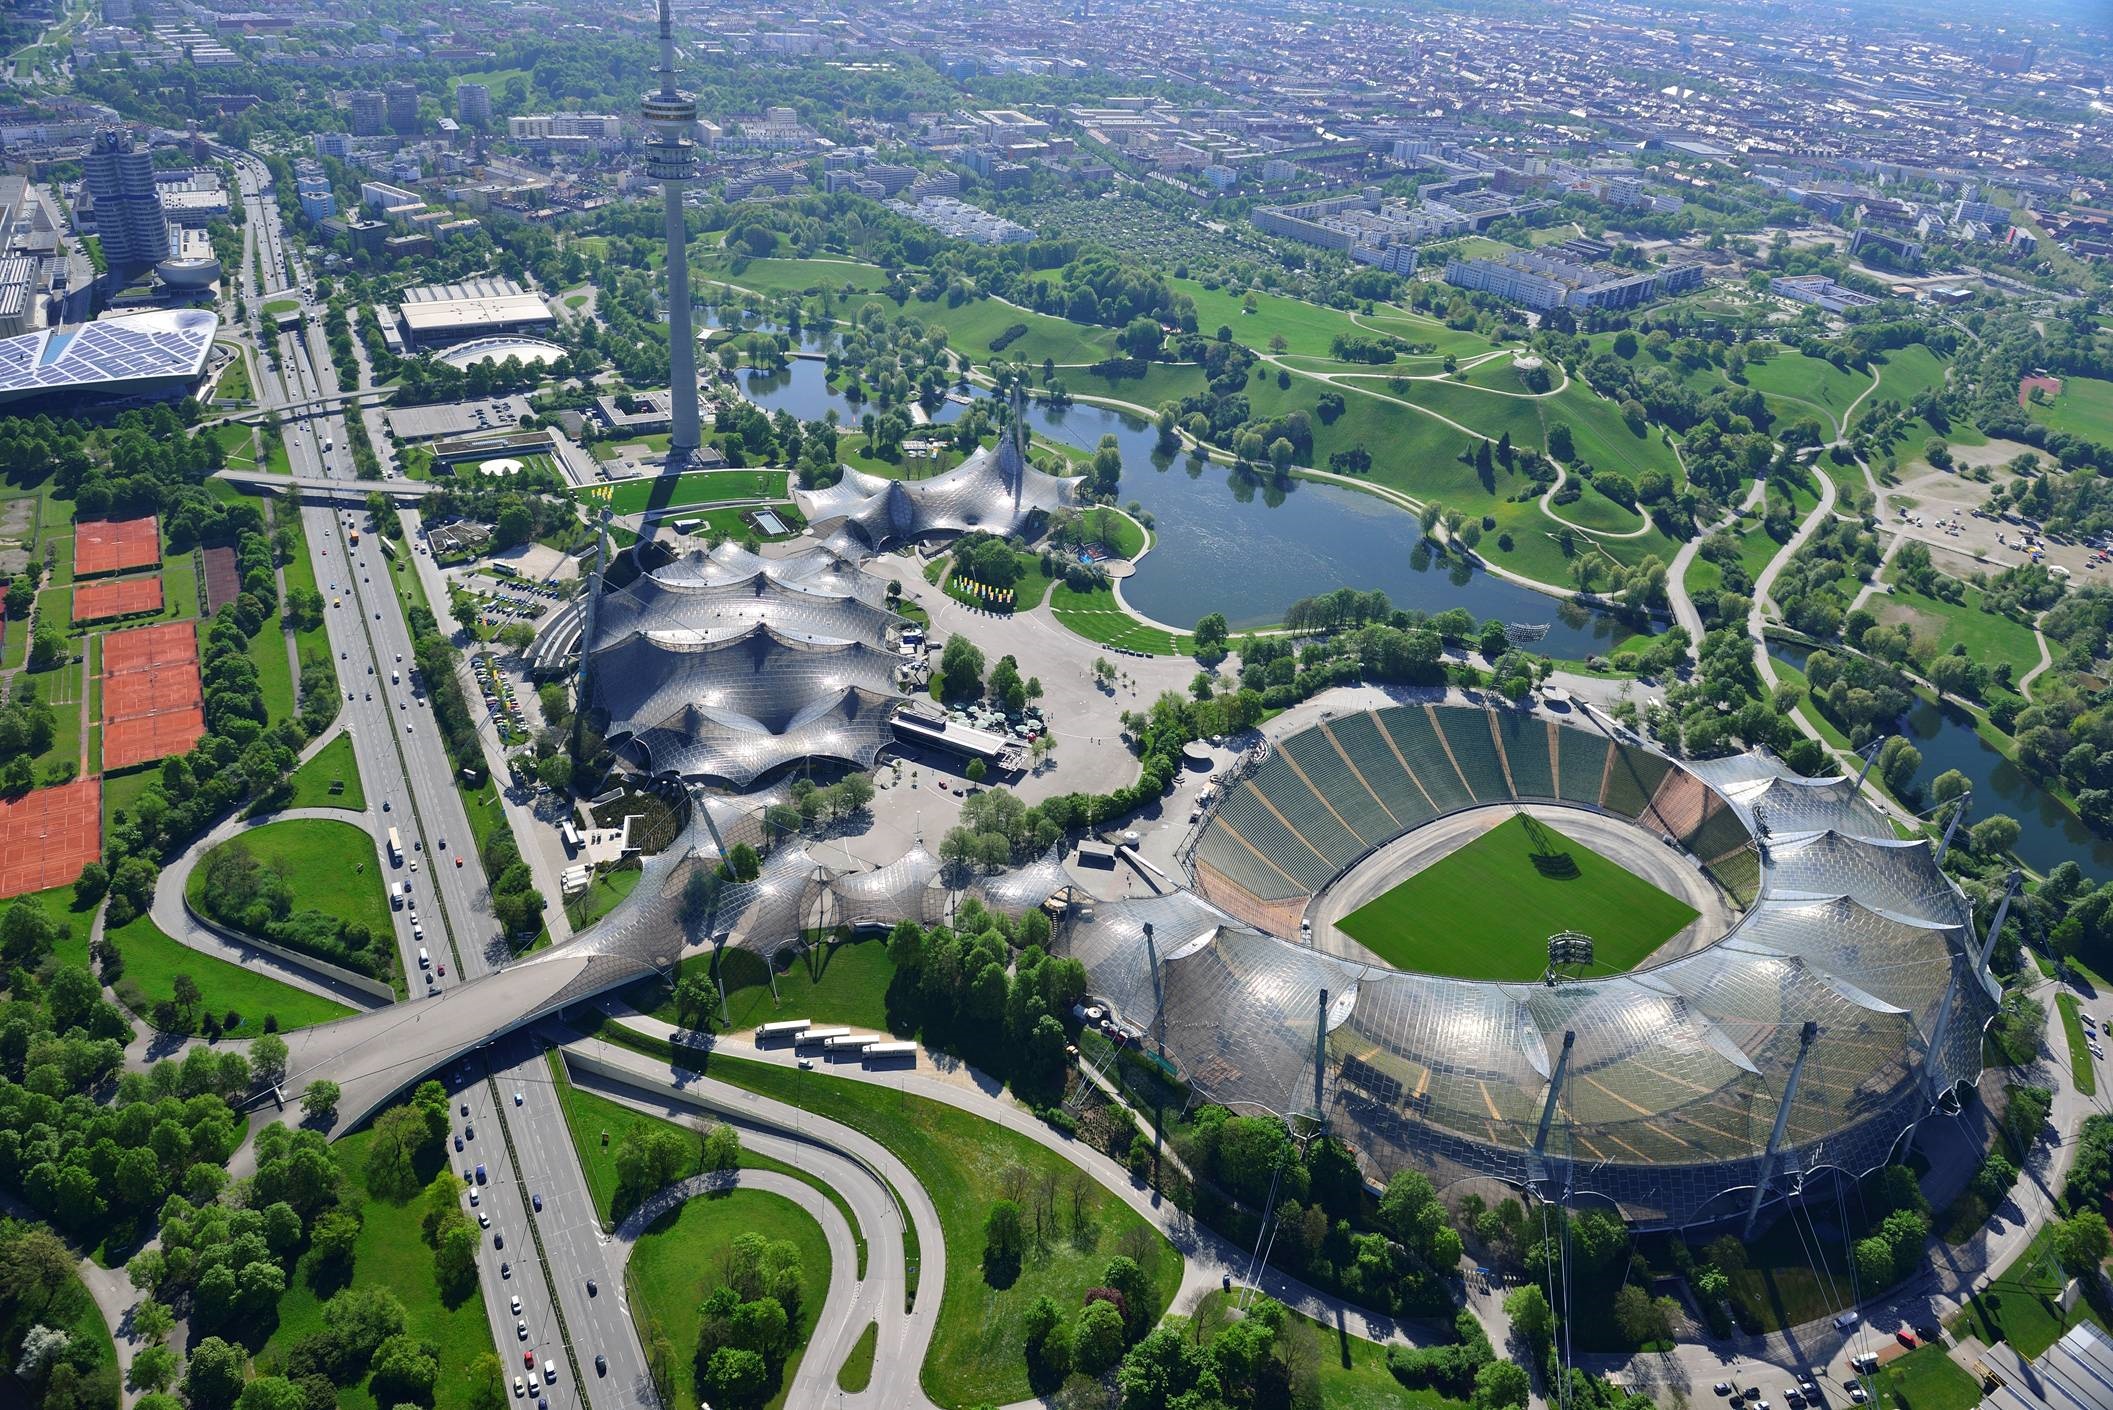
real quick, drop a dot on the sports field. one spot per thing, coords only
(1486, 911)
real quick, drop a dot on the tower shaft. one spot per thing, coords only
(671, 159)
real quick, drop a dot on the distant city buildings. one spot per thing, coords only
(1819, 291)
(401, 101)
(318, 201)
(447, 313)
(369, 112)
(1544, 281)
(962, 221)
(334, 144)
(473, 104)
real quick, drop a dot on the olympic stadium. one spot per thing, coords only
(1842, 1000)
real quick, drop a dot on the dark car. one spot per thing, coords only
(601, 1366)
(591, 1288)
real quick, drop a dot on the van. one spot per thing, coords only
(550, 1371)
(418, 932)
(425, 961)
(1847, 1320)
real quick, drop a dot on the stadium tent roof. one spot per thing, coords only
(1681, 1064)
(726, 665)
(994, 490)
(155, 353)
(1772, 802)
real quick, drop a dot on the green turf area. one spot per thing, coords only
(972, 326)
(1924, 1379)
(1797, 387)
(601, 895)
(1028, 589)
(785, 276)
(1990, 639)
(391, 1252)
(329, 780)
(1308, 330)
(695, 487)
(72, 947)
(835, 984)
(153, 960)
(1097, 616)
(2080, 1064)
(274, 307)
(961, 1160)
(676, 1264)
(1352, 1372)
(1442, 921)
(857, 1371)
(2023, 1304)
(2085, 408)
(330, 866)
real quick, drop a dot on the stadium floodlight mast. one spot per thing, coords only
(1566, 948)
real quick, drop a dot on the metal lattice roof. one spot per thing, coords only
(994, 490)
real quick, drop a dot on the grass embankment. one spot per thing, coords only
(1353, 1372)
(329, 866)
(835, 984)
(1924, 1379)
(153, 960)
(2023, 1304)
(676, 1264)
(1440, 920)
(2081, 1065)
(679, 491)
(857, 1371)
(331, 779)
(391, 1253)
(1097, 616)
(962, 1161)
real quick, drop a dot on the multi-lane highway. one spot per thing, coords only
(526, 1149)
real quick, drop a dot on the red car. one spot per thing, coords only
(458, 861)
(1906, 1338)
(528, 1359)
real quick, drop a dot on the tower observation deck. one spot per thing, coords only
(670, 116)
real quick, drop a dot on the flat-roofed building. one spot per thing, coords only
(446, 313)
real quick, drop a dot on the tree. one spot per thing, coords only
(487, 1383)
(34, 1266)
(1004, 1238)
(961, 669)
(722, 1147)
(214, 1376)
(267, 1057)
(1097, 1338)
(319, 1101)
(734, 1377)
(1641, 1320)
(153, 1369)
(1211, 636)
(405, 1369)
(1501, 1384)
(1531, 1317)
(2081, 1242)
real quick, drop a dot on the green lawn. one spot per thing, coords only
(676, 1264)
(1441, 921)
(844, 984)
(1353, 1372)
(857, 1371)
(391, 1253)
(1924, 1379)
(601, 895)
(1027, 591)
(2080, 1063)
(153, 960)
(2085, 408)
(330, 867)
(1308, 330)
(1990, 638)
(960, 1160)
(972, 326)
(72, 947)
(695, 487)
(329, 780)
(787, 276)
(1097, 616)
(2023, 1305)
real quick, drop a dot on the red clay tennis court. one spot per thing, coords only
(152, 697)
(116, 597)
(47, 836)
(167, 644)
(113, 545)
(222, 583)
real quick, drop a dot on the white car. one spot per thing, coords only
(484, 1221)
(475, 1199)
(520, 1388)
(521, 1330)
(517, 1307)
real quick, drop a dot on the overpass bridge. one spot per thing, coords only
(301, 410)
(329, 491)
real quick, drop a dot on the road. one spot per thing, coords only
(409, 777)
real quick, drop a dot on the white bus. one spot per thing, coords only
(783, 1028)
(820, 1035)
(880, 1052)
(851, 1042)
(396, 849)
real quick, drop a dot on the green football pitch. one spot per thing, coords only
(1486, 911)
